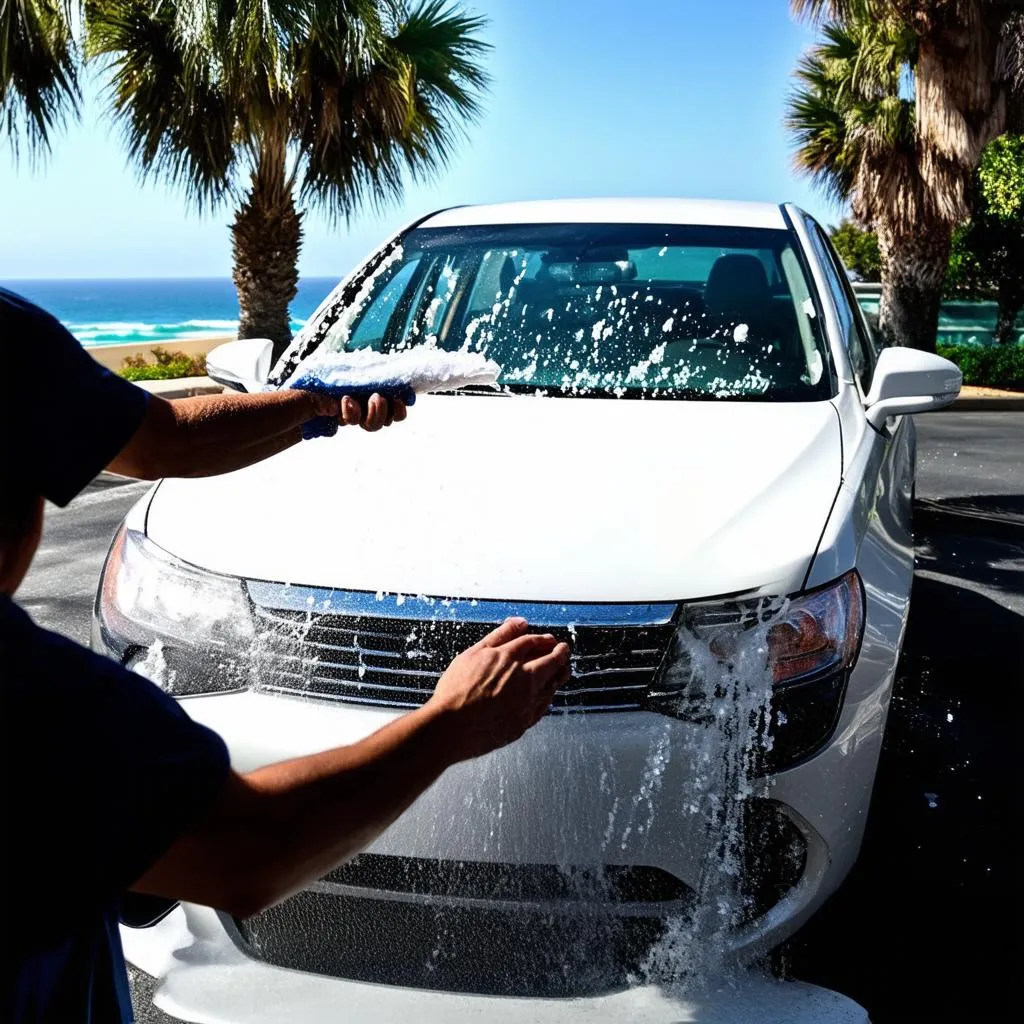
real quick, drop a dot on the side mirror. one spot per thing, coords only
(907, 380)
(243, 364)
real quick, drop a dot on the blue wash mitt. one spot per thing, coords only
(392, 375)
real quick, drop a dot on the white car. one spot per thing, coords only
(698, 466)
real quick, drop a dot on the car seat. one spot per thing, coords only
(737, 292)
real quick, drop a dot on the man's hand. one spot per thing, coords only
(497, 689)
(379, 411)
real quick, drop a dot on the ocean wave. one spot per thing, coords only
(228, 325)
(112, 326)
(114, 332)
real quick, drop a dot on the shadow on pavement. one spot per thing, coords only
(993, 515)
(964, 561)
(927, 926)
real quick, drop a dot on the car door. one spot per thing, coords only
(877, 465)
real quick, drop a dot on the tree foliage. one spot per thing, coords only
(39, 65)
(988, 252)
(1001, 178)
(858, 248)
(351, 94)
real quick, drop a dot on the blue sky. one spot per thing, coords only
(590, 98)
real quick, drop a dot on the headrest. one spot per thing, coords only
(737, 287)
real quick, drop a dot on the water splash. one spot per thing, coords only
(154, 667)
(726, 681)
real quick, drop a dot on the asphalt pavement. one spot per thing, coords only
(927, 926)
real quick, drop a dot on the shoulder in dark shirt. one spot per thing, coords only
(63, 417)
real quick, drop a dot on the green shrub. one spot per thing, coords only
(988, 366)
(168, 366)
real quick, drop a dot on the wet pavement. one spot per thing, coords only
(927, 926)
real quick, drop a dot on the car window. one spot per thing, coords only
(870, 340)
(371, 327)
(855, 337)
(605, 309)
(694, 263)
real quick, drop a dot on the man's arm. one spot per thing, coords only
(274, 830)
(214, 434)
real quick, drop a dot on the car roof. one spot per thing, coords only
(710, 212)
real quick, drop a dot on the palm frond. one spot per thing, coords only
(396, 107)
(166, 93)
(853, 132)
(820, 133)
(444, 48)
(357, 94)
(836, 10)
(39, 86)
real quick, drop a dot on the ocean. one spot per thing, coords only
(156, 311)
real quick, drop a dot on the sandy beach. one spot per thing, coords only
(113, 356)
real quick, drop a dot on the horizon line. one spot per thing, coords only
(148, 277)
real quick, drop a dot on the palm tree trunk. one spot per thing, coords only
(961, 96)
(913, 268)
(265, 240)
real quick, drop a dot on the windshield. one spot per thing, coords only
(607, 310)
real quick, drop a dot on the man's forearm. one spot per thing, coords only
(213, 434)
(278, 828)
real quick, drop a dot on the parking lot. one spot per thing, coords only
(926, 926)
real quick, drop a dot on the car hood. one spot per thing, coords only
(528, 498)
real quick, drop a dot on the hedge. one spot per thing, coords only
(988, 366)
(168, 366)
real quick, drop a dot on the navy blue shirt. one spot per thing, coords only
(63, 417)
(101, 769)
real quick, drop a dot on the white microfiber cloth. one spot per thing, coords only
(405, 374)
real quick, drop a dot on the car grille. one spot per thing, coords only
(509, 929)
(390, 651)
(611, 885)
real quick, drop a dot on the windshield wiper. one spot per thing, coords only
(477, 389)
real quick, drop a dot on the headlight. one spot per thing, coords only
(804, 645)
(190, 631)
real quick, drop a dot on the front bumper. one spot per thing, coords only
(585, 791)
(203, 976)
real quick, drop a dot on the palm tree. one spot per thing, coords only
(38, 71)
(855, 133)
(278, 106)
(963, 63)
(968, 79)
